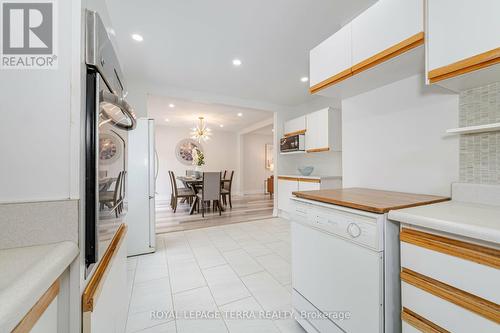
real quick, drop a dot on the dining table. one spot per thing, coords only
(196, 185)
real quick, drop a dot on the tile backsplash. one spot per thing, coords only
(480, 153)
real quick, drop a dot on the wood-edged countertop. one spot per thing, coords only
(26, 274)
(370, 200)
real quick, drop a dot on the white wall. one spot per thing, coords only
(254, 172)
(220, 154)
(35, 107)
(393, 138)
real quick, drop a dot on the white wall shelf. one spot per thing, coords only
(475, 129)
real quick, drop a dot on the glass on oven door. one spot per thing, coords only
(109, 118)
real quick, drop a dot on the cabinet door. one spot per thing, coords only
(308, 186)
(285, 189)
(385, 24)
(295, 125)
(317, 135)
(331, 57)
(460, 29)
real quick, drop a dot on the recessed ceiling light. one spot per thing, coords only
(236, 62)
(167, 120)
(171, 105)
(240, 114)
(221, 125)
(137, 37)
(304, 79)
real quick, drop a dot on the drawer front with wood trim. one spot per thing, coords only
(463, 265)
(104, 300)
(413, 322)
(442, 312)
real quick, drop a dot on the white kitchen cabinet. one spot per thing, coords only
(468, 271)
(295, 125)
(384, 44)
(383, 25)
(462, 37)
(332, 57)
(309, 185)
(289, 184)
(285, 188)
(323, 131)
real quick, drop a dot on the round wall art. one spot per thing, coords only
(184, 151)
(110, 148)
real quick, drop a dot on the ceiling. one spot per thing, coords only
(190, 44)
(185, 114)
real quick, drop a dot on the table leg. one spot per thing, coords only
(195, 200)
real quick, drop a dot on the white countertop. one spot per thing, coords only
(25, 275)
(473, 220)
(311, 176)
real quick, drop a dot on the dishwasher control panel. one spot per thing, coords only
(359, 227)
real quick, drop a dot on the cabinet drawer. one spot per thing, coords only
(443, 313)
(465, 266)
(413, 323)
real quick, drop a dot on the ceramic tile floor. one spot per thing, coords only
(235, 269)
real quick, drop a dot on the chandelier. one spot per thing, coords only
(201, 132)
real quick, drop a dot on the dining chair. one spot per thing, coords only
(111, 198)
(211, 191)
(226, 191)
(178, 193)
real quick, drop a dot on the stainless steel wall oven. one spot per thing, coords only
(108, 119)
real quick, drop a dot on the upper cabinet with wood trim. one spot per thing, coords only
(295, 126)
(384, 25)
(463, 37)
(323, 131)
(332, 59)
(381, 45)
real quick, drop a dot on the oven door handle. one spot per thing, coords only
(123, 105)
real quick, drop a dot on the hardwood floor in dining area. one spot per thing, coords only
(245, 208)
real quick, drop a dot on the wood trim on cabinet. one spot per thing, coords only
(473, 303)
(393, 51)
(94, 286)
(30, 319)
(300, 179)
(331, 81)
(464, 66)
(295, 133)
(420, 323)
(317, 150)
(472, 252)
(389, 53)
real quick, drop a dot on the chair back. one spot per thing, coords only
(173, 183)
(123, 184)
(118, 187)
(211, 186)
(229, 184)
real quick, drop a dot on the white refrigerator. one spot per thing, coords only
(141, 190)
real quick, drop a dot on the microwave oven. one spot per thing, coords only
(292, 143)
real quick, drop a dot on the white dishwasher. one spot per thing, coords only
(345, 278)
